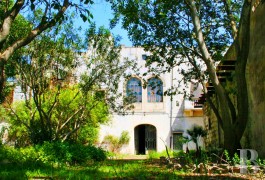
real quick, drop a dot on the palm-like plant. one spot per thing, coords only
(195, 133)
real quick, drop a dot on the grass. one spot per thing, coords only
(109, 169)
(157, 155)
(104, 170)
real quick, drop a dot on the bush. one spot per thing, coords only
(71, 152)
(23, 156)
(184, 158)
(26, 126)
(192, 157)
(114, 144)
(57, 152)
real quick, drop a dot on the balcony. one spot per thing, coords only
(193, 108)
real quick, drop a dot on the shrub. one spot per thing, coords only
(79, 122)
(114, 143)
(184, 158)
(58, 152)
(64, 152)
(23, 156)
(97, 154)
(192, 157)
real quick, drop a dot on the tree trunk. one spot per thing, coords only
(227, 110)
(234, 132)
(242, 48)
(234, 117)
(2, 80)
(231, 141)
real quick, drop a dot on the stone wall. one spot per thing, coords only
(214, 139)
(255, 75)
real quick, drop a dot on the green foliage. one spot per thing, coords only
(70, 153)
(195, 133)
(50, 153)
(236, 159)
(53, 110)
(20, 28)
(23, 156)
(163, 24)
(195, 35)
(157, 155)
(109, 169)
(114, 144)
(105, 68)
(48, 59)
(23, 22)
(101, 170)
(70, 113)
(232, 160)
(227, 156)
(192, 157)
(88, 134)
(185, 158)
(124, 138)
(261, 162)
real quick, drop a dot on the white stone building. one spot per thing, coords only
(156, 120)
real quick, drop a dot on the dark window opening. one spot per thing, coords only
(144, 57)
(177, 141)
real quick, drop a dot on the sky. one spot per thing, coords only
(102, 13)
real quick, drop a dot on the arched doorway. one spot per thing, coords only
(145, 138)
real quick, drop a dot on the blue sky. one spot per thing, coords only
(102, 12)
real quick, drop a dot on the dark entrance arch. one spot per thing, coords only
(145, 138)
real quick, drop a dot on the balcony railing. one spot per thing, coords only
(197, 104)
(193, 104)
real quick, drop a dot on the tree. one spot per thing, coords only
(54, 109)
(196, 33)
(47, 13)
(63, 120)
(19, 29)
(105, 68)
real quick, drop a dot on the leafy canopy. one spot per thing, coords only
(166, 29)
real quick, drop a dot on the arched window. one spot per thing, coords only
(155, 90)
(134, 89)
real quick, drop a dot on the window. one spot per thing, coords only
(177, 144)
(155, 90)
(134, 88)
(144, 56)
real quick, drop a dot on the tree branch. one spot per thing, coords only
(35, 32)
(69, 119)
(226, 112)
(201, 80)
(8, 20)
(18, 118)
(227, 4)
